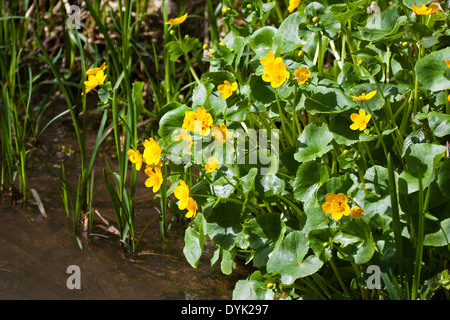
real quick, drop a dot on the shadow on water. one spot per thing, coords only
(35, 252)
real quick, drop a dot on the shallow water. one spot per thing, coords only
(35, 251)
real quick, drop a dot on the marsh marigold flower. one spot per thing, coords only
(302, 74)
(275, 70)
(221, 133)
(424, 10)
(364, 97)
(336, 205)
(178, 20)
(213, 164)
(447, 63)
(152, 152)
(356, 212)
(199, 121)
(226, 89)
(293, 4)
(206, 121)
(96, 77)
(135, 157)
(93, 71)
(360, 120)
(192, 208)
(155, 178)
(181, 192)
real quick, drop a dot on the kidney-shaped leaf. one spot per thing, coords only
(290, 259)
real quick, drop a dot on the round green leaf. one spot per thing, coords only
(421, 159)
(290, 260)
(357, 244)
(313, 142)
(172, 121)
(431, 70)
(439, 123)
(383, 24)
(318, 239)
(310, 176)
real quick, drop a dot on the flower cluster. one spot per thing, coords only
(152, 158)
(198, 121)
(275, 71)
(337, 206)
(201, 122)
(181, 192)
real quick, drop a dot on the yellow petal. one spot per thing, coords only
(329, 197)
(328, 207)
(371, 94)
(337, 215)
(354, 117)
(354, 126)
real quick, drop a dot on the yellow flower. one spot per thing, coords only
(360, 120)
(302, 74)
(356, 212)
(226, 89)
(212, 165)
(275, 70)
(424, 10)
(221, 133)
(192, 208)
(199, 121)
(447, 62)
(364, 97)
(189, 120)
(181, 192)
(152, 152)
(155, 178)
(336, 205)
(205, 120)
(178, 20)
(135, 157)
(94, 80)
(93, 71)
(293, 4)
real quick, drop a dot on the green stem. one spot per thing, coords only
(380, 137)
(339, 277)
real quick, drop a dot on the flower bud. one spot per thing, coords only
(224, 10)
(360, 62)
(345, 151)
(249, 6)
(223, 44)
(405, 44)
(325, 244)
(172, 32)
(315, 19)
(205, 46)
(301, 53)
(212, 51)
